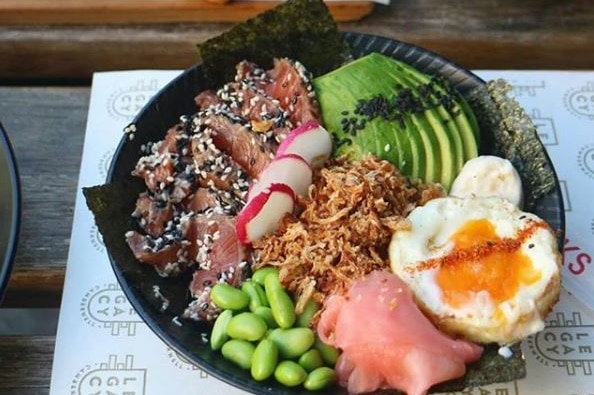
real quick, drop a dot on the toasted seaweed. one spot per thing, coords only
(297, 29)
(112, 206)
(490, 368)
(510, 133)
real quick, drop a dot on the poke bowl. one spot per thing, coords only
(160, 300)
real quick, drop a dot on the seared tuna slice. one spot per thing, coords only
(164, 161)
(292, 87)
(229, 134)
(162, 253)
(153, 215)
(210, 199)
(220, 257)
(216, 168)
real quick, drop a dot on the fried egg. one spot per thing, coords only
(479, 267)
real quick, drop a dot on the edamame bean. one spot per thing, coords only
(239, 352)
(319, 378)
(309, 310)
(264, 360)
(292, 342)
(219, 336)
(249, 287)
(290, 373)
(272, 283)
(247, 326)
(283, 308)
(329, 353)
(262, 293)
(266, 314)
(260, 275)
(227, 297)
(312, 359)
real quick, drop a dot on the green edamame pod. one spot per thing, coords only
(290, 373)
(227, 297)
(310, 309)
(319, 378)
(266, 314)
(311, 359)
(249, 287)
(239, 352)
(260, 275)
(283, 308)
(247, 326)
(329, 353)
(219, 336)
(262, 293)
(264, 360)
(292, 342)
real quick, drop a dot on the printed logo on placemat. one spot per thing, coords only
(510, 388)
(97, 239)
(183, 363)
(565, 343)
(105, 306)
(529, 88)
(110, 378)
(545, 127)
(580, 101)
(586, 160)
(126, 102)
(104, 163)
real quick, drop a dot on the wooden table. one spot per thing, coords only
(45, 74)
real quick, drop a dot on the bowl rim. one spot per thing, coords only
(13, 194)
(161, 332)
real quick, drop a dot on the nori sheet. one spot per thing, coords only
(508, 132)
(297, 29)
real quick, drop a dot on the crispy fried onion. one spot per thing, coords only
(344, 228)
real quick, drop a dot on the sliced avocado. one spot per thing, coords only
(408, 145)
(461, 113)
(375, 105)
(426, 138)
(445, 131)
(431, 161)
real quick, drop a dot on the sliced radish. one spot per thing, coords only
(289, 169)
(310, 141)
(262, 214)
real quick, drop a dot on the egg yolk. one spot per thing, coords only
(482, 261)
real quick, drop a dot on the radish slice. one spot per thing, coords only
(289, 169)
(310, 141)
(262, 215)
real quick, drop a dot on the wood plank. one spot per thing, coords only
(35, 287)
(46, 127)
(25, 364)
(506, 34)
(49, 12)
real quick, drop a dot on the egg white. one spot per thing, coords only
(482, 319)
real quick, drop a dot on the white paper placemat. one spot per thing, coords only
(103, 347)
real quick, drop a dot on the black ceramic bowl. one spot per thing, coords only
(10, 208)
(137, 280)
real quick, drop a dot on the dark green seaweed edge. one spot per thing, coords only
(297, 29)
(509, 132)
